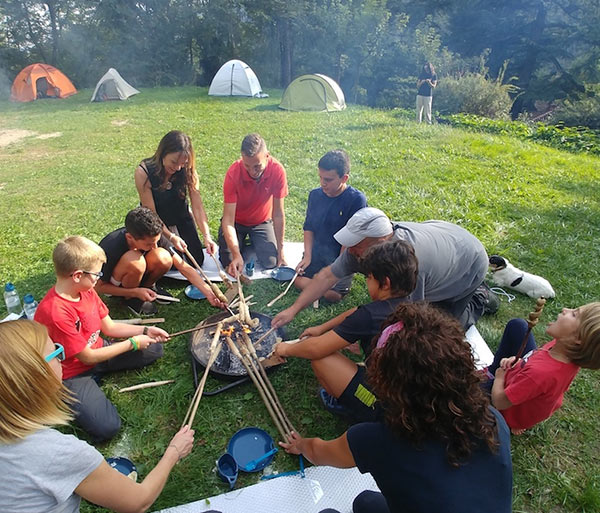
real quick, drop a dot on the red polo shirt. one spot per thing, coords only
(254, 198)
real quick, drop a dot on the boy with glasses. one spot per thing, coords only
(75, 316)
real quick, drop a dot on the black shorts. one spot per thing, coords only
(358, 398)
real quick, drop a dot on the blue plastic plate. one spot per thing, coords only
(124, 466)
(283, 273)
(249, 444)
(193, 292)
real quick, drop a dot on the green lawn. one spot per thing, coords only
(535, 205)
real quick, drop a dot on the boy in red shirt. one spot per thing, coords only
(531, 389)
(254, 189)
(75, 316)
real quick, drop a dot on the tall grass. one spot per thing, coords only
(536, 205)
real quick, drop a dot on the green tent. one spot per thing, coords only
(313, 92)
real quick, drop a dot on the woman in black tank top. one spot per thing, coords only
(164, 182)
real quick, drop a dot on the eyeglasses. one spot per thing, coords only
(97, 275)
(58, 353)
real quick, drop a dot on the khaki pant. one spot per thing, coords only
(424, 104)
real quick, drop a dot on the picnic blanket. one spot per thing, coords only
(292, 251)
(323, 487)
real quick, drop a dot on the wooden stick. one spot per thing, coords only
(222, 274)
(250, 347)
(139, 320)
(212, 356)
(217, 291)
(264, 336)
(532, 320)
(146, 385)
(272, 302)
(168, 298)
(234, 350)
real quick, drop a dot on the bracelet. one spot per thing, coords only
(145, 332)
(133, 343)
(177, 449)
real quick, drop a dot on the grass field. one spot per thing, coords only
(535, 205)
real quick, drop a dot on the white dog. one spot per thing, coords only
(504, 274)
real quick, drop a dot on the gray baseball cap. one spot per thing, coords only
(366, 222)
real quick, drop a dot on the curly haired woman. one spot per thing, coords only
(441, 446)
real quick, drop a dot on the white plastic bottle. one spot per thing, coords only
(30, 306)
(11, 298)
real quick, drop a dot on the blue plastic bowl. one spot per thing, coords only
(249, 444)
(283, 273)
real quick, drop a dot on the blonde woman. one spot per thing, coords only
(43, 469)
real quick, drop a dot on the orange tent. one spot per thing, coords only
(40, 81)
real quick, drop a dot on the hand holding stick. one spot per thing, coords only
(532, 320)
(272, 302)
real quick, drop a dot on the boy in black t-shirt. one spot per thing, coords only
(391, 269)
(136, 257)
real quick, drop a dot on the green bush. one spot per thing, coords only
(583, 111)
(473, 93)
(399, 92)
(576, 139)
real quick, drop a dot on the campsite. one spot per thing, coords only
(316, 256)
(522, 199)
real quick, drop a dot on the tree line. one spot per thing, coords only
(547, 49)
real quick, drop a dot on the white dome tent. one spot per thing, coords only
(112, 86)
(235, 78)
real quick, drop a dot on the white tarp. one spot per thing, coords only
(112, 86)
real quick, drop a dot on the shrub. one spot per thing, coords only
(576, 139)
(473, 93)
(583, 111)
(399, 92)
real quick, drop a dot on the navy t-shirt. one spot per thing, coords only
(325, 216)
(420, 480)
(365, 323)
(425, 89)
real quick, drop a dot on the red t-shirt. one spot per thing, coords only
(536, 387)
(74, 324)
(254, 198)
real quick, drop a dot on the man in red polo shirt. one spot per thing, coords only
(254, 189)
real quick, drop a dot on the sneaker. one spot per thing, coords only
(332, 405)
(491, 302)
(161, 292)
(139, 307)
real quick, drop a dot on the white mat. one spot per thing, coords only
(292, 251)
(481, 352)
(323, 487)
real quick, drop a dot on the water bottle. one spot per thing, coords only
(11, 298)
(30, 306)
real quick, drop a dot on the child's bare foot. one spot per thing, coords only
(517, 431)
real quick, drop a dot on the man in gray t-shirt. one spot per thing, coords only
(452, 261)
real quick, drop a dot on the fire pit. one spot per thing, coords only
(228, 365)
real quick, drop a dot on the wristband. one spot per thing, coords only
(145, 332)
(133, 343)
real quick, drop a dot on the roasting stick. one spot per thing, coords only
(259, 378)
(168, 298)
(532, 320)
(265, 335)
(222, 274)
(236, 352)
(139, 320)
(217, 291)
(267, 381)
(272, 302)
(214, 351)
(146, 385)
